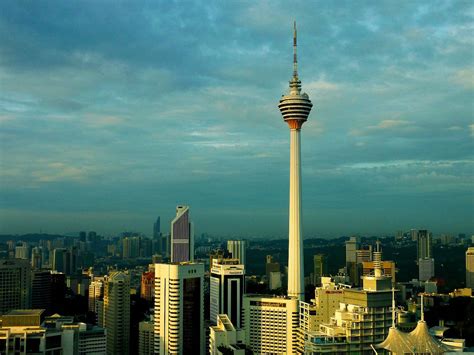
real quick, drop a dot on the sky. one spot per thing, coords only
(114, 112)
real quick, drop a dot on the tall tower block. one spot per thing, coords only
(295, 108)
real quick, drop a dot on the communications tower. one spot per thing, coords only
(295, 108)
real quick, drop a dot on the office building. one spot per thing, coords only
(182, 236)
(424, 245)
(271, 266)
(271, 324)
(96, 292)
(238, 250)
(320, 268)
(426, 269)
(65, 260)
(15, 284)
(41, 288)
(22, 251)
(21, 333)
(179, 309)
(224, 338)
(274, 280)
(470, 268)
(82, 339)
(145, 338)
(352, 245)
(227, 286)
(295, 108)
(157, 228)
(147, 286)
(117, 312)
(36, 258)
(131, 247)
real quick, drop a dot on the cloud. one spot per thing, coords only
(187, 92)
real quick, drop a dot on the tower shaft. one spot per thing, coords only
(295, 250)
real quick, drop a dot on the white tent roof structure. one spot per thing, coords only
(418, 341)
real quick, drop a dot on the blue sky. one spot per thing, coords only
(114, 112)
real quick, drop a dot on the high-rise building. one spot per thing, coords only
(238, 249)
(227, 286)
(145, 338)
(117, 312)
(157, 228)
(470, 267)
(22, 251)
(224, 338)
(179, 308)
(274, 280)
(426, 269)
(295, 108)
(41, 288)
(15, 284)
(65, 260)
(182, 236)
(320, 268)
(36, 258)
(271, 324)
(271, 266)
(147, 286)
(363, 318)
(96, 292)
(424, 244)
(82, 339)
(352, 245)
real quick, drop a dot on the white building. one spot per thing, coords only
(362, 319)
(271, 324)
(224, 338)
(274, 280)
(426, 269)
(80, 339)
(238, 249)
(470, 267)
(179, 308)
(227, 286)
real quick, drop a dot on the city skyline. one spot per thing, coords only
(113, 115)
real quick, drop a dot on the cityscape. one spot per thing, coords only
(146, 207)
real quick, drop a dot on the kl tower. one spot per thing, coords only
(295, 108)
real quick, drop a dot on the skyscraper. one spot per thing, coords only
(117, 312)
(320, 267)
(157, 228)
(295, 108)
(271, 324)
(238, 249)
(15, 284)
(227, 284)
(470, 267)
(179, 308)
(426, 269)
(424, 244)
(182, 238)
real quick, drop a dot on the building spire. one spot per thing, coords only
(295, 60)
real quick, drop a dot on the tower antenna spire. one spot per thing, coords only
(295, 60)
